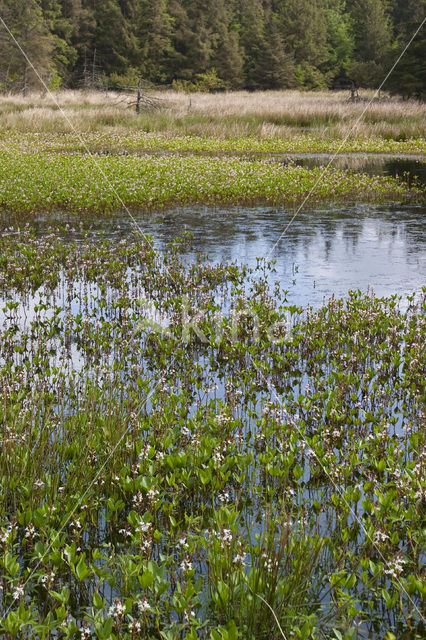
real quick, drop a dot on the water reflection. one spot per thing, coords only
(412, 169)
(327, 250)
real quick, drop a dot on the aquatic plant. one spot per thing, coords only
(115, 141)
(80, 183)
(185, 455)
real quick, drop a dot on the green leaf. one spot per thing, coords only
(146, 579)
(232, 630)
(98, 600)
(11, 565)
(81, 570)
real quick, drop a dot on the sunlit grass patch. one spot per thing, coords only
(230, 116)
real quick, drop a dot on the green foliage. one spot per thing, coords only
(372, 34)
(409, 77)
(25, 20)
(139, 500)
(309, 77)
(76, 183)
(254, 44)
(207, 82)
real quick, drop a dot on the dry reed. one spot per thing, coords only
(271, 114)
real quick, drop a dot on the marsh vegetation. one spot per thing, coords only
(185, 454)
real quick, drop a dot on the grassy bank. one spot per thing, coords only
(46, 151)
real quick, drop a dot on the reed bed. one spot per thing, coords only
(184, 455)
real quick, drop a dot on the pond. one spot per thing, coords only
(153, 477)
(326, 250)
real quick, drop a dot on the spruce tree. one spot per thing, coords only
(372, 37)
(60, 29)
(25, 20)
(409, 77)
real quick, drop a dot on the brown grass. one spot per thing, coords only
(272, 114)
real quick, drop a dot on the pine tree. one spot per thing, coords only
(80, 15)
(304, 28)
(60, 29)
(227, 55)
(276, 66)
(154, 35)
(409, 77)
(372, 36)
(340, 42)
(112, 40)
(252, 36)
(25, 20)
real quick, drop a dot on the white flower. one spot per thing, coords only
(117, 609)
(394, 569)
(269, 563)
(137, 499)
(380, 536)
(47, 577)
(186, 564)
(189, 614)
(223, 496)
(152, 493)
(227, 535)
(146, 545)
(134, 625)
(144, 526)
(143, 605)
(5, 534)
(18, 593)
(182, 542)
(217, 456)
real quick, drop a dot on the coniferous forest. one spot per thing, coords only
(214, 46)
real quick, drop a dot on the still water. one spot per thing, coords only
(323, 252)
(326, 250)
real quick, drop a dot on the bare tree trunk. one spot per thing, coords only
(25, 85)
(94, 69)
(139, 97)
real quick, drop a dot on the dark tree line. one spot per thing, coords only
(225, 44)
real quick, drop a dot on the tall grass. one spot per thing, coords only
(228, 115)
